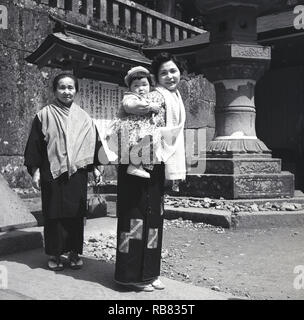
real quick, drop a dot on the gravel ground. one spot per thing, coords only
(256, 263)
(223, 204)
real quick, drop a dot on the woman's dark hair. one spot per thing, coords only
(138, 76)
(64, 75)
(161, 58)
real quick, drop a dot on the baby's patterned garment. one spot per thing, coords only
(139, 126)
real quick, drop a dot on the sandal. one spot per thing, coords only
(55, 264)
(75, 261)
(143, 287)
(157, 284)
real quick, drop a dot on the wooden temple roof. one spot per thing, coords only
(89, 53)
(96, 55)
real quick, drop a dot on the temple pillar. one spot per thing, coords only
(238, 164)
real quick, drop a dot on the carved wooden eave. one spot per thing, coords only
(88, 53)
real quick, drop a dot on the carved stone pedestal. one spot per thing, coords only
(240, 177)
(238, 164)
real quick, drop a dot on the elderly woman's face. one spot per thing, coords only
(66, 91)
(169, 75)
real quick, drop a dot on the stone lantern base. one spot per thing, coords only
(238, 164)
(240, 177)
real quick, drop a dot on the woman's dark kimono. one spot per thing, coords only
(63, 200)
(140, 204)
(140, 225)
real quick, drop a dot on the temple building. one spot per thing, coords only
(243, 86)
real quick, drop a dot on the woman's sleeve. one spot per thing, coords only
(33, 154)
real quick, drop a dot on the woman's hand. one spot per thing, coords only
(36, 179)
(97, 175)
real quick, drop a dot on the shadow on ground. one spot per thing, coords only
(94, 271)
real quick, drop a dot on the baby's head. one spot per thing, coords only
(138, 80)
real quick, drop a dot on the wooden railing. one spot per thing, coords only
(130, 16)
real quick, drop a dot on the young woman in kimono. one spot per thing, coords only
(61, 148)
(140, 202)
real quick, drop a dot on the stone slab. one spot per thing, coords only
(242, 186)
(220, 218)
(248, 186)
(14, 213)
(226, 219)
(267, 219)
(243, 166)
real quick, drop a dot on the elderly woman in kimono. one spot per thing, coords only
(140, 202)
(60, 150)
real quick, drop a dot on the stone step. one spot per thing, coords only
(239, 186)
(227, 219)
(235, 166)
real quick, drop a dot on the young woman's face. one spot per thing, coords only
(169, 75)
(140, 86)
(66, 91)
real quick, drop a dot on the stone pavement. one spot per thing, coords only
(28, 277)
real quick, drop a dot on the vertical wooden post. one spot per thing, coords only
(158, 29)
(168, 32)
(60, 4)
(116, 14)
(121, 15)
(103, 10)
(127, 18)
(75, 6)
(176, 33)
(138, 22)
(90, 8)
(149, 27)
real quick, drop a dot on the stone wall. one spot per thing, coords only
(25, 88)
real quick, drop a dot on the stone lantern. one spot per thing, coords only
(238, 164)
